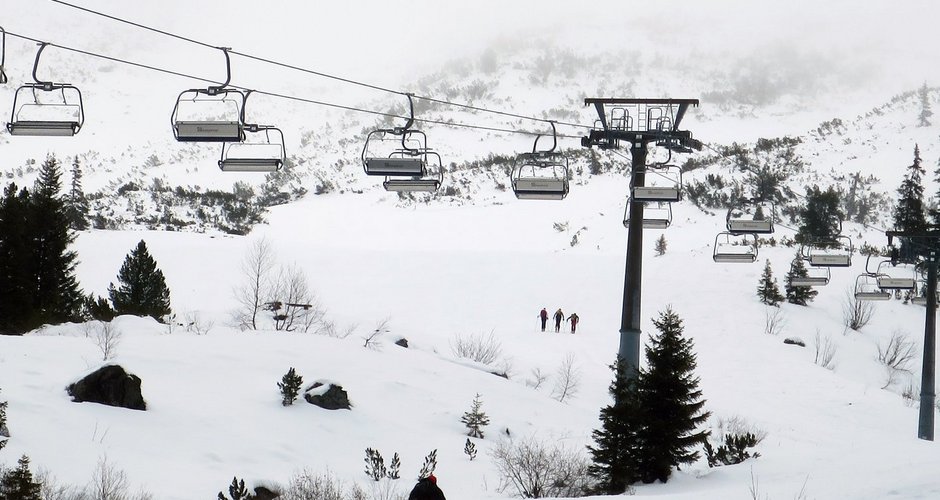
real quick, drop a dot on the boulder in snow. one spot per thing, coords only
(109, 385)
(327, 396)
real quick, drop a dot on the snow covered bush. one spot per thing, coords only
(530, 468)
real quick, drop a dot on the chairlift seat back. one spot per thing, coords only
(412, 185)
(44, 128)
(250, 164)
(657, 193)
(808, 281)
(872, 295)
(208, 131)
(830, 260)
(414, 166)
(540, 188)
(751, 226)
(889, 283)
(734, 257)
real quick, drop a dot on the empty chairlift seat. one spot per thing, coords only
(735, 248)
(45, 108)
(750, 217)
(833, 253)
(262, 151)
(541, 175)
(655, 216)
(660, 183)
(896, 277)
(866, 288)
(208, 115)
(815, 276)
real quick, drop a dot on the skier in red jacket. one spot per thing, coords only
(544, 317)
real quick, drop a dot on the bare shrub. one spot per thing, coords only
(910, 395)
(774, 320)
(105, 336)
(308, 486)
(567, 379)
(896, 355)
(825, 351)
(194, 323)
(856, 313)
(109, 483)
(538, 378)
(486, 349)
(372, 340)
(330, 329)
(298, 305)
(534, 469)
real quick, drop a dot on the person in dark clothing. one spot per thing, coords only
(574, 321)
(559, 317)
(426, 489)
(544, 317)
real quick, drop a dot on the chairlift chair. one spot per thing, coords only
(665, 184)
(402, 159)
(866, 288)
(257, 151)
(751, 217)
(734, 248)
(212, 114)
(834, 253)
(540, 175)
(658, 216)
(815, 276)
(429, 182)
(45, 108)
(896, 276)
(267, 155)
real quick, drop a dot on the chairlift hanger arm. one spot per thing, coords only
(48, 86)
(214, 90)
(3, 55)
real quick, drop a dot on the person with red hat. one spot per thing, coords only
(427, 489)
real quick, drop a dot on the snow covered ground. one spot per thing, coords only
(214, 409)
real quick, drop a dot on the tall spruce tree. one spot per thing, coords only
(820, 217)
(18, 484)
(142, 290)
(671, 402)
(56, 296)
(76, 207)
(616, 450)
(798, 295)
(909, 214)
(17, 284)
(767, 289)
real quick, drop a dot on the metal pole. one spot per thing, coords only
(927, 377)
(629, 351)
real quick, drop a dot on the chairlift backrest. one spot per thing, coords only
(213, 114)
(268, 155)
(892, 276)
(734, 248)
(750, 217)
(866, 288)
(45, 108)
(658, 216)
(834, 253)
(662, 183)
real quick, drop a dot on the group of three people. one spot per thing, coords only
(559, 317)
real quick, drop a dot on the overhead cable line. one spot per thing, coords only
(283, 96)
(321, 74)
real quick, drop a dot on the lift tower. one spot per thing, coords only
(927, 245)
(638, 122)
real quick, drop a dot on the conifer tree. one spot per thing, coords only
(819, 217)
(798, 295)
(236, 491)
(290, 387)
(17, 285)
(909, 214)
(470, 449)
(143, 290)
(56, 297)
(767, 289)
(923, 120)
(615, 454)
(660, 247)
(672, 405)
(475, 419)
(18, 484)
(76, 207)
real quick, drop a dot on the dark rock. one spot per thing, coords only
(794, 341)
(262, 493)
(109, 385)
(335, 398)
(403, 342)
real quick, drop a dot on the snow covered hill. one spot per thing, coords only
(471, 262)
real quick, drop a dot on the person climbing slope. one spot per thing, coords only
(559, 317)
(573, 319)
(544, 317)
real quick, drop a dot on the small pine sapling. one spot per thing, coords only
(290, 387)
(236, 491)
(470, 449)
(660, 245)
(394, 468)
(375, 465)
(475, 419)
(430, 463)
(18, 483)
(733, 451)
